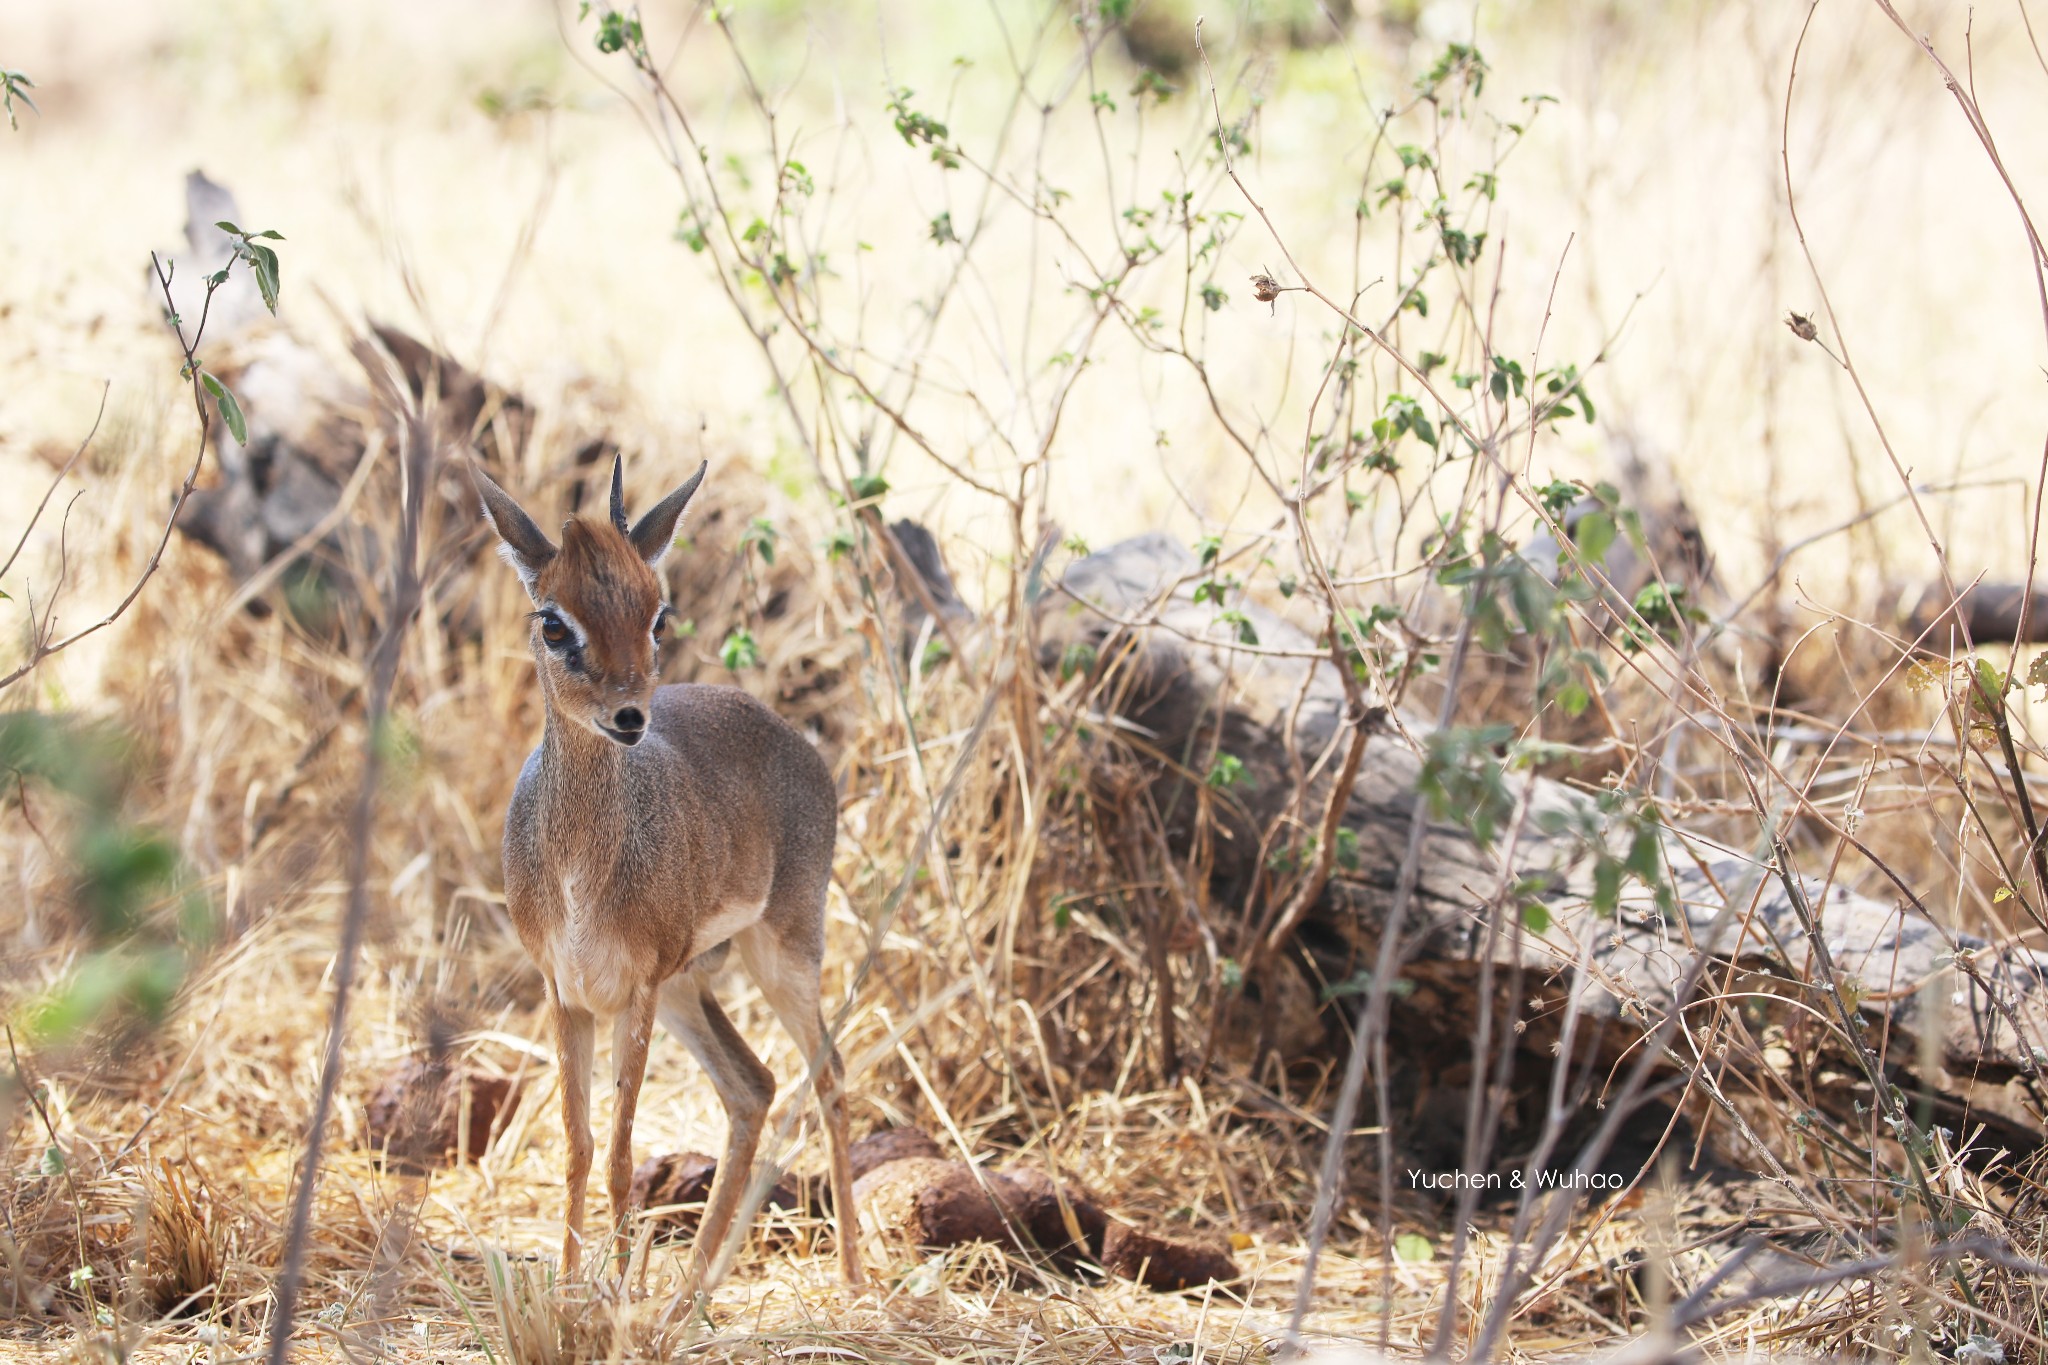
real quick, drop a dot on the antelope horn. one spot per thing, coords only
(619, 493)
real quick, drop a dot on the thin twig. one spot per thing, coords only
(405, 601)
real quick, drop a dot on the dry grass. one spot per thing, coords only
(161, 1160)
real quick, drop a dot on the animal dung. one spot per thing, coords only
(934, 1203)
(1034, 1199)
(678, 1184)
(681, 1179)
(885, 1145)
(424, 1113)
(1158, 1263)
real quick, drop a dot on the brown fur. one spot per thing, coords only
(635, 855)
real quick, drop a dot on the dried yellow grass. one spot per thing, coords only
(177, 1150)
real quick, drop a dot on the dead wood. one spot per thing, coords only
(1992, 613)
(1186, 693)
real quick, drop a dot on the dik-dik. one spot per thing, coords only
(652, 830)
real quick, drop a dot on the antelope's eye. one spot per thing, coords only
(660, 626)
(553, 630)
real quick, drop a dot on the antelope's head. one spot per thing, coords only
(599, 617)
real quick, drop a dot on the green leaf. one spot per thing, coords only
(761, 535)
(225, 226)
(1606, 888)
(1594, 535)
(1536, 917)
(264, 262)
(616, 32)
(739, 650)
(1226, 771)
(15, 85)
(1557, 497)
(230, 410)
(1413, 1248)
(868, 487)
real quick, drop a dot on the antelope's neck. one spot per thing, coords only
(583, 811)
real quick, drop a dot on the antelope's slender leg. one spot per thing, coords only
(746, 1087)
(575, 1043)
(629, 1068)
(832, 1099)
(788, 978)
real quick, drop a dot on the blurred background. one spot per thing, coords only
(472, 172)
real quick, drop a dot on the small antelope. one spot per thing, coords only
(652, 830)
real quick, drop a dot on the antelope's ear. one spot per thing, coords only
(656, 532)
(521, 543)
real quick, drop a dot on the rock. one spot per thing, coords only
(1158, 1263)
(885, 1145)
(415, 1113)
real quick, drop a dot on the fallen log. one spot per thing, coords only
(1993, 613)
(1187, 690)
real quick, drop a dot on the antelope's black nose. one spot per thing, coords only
(628, 720)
